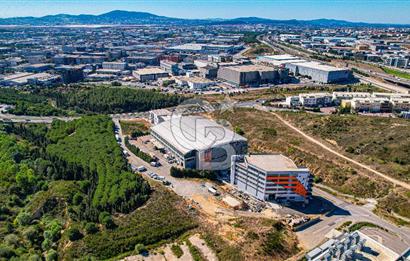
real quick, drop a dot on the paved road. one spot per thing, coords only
(317, 142)
(184, 187)
(312, 236)
(32, 119)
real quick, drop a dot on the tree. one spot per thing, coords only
(51, 255)
(91, 228)
(74, 234)
(77, 199)
(26, 179)
(140, 248)
(22, 219)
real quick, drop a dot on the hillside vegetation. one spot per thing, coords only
(266, 134)
(383, 143)
(66, 192)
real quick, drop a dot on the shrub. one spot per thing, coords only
(77, 199)
(6, 252)
(91, 228)
(176, 249)
(23, 219)
(51, 255)
(140, 248)
(238, 130)
(74, 234)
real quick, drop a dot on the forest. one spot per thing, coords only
(85, 100)
(111, 100)
(72, 170)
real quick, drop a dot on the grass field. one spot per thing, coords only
(397, 73)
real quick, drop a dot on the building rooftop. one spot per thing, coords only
(274, 162)
(147, 71)
(251, 68)
(189, 133)
(319, 66)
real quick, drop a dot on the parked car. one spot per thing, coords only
(141, 169)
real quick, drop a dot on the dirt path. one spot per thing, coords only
(315, 141)
(203, 247)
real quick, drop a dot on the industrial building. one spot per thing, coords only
(149, 74)
(316, 71)
(319, 72)
(194, 83)
(252, 74)
(199, 143)
(271, 177)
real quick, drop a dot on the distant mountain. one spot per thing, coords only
(128, 18)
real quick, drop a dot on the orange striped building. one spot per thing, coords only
(271, 177)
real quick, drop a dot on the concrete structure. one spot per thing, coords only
(315, 99)
(366, 244)
(372, 104)
(271, 177)
(160, 115)
(339, 96)
(120, 66)
(194, 83)
(19, 79)
(319, 72)
(170, 67)
(149, 74)
(252, 74)
(199, 143)
(400, 104)
(204, 48)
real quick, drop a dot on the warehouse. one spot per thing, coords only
(271, 177)
(149, 74)
(319, 72)
(252, 74)
(199, 143)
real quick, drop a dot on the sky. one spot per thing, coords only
(376, 11)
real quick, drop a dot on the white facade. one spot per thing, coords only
(271, 177)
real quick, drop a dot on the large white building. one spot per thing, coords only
(199, 143)
(271, 177)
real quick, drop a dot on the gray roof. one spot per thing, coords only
(189, 133)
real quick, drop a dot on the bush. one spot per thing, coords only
(74, 234)
(140, 248)
(176, 249)
(6, 252)
(238, 130)
(23, 219)
(108, 222)
(91, 228)
(51, 255)
(77, 199)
